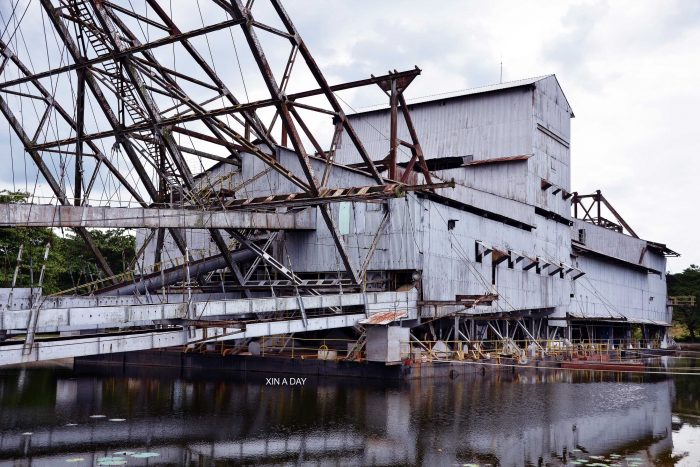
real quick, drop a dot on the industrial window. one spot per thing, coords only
(344, 218)
(582, 236)
(451, 224)
(374, 206)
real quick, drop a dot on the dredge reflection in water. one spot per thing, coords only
(152, 417)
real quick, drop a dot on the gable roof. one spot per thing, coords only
(467, 92)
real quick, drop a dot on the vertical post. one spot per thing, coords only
(43, 265)
(14, 277)
(80, 119)
(19, 261)
(187, 270)
(393, 131)
(162, 285)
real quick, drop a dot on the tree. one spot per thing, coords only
(687, 283)
(69, 263)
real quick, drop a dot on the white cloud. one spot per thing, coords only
(630, 70)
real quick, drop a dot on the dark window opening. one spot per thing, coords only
(582, 236)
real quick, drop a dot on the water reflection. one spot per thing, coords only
(540, 417)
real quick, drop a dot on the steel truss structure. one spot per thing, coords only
(162, 124)
(131, 122)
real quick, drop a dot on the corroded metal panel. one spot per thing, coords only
(40, 215)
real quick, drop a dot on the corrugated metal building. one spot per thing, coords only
(506, 229)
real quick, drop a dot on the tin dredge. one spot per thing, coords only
(280, 233)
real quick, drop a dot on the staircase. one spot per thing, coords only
(128, 103)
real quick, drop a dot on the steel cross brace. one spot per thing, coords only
(286, 118)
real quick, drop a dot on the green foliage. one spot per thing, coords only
(70, 262)
(15, 197)
(687, 283)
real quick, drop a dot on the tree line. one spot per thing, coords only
(686, 283)
(69, 263)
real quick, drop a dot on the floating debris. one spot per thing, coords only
(27, 433)
(145, 455)
(117, 419)
(98, 416)
(71, 424)
(73, 460)
(125, 453)
(111, 460)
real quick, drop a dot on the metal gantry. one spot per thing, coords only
(134, 116)
(132, 109)
(153, 114)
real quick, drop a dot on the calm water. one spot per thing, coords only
(155, 418)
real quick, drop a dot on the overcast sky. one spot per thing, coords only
(630, 69)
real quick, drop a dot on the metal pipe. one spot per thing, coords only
(176, 274)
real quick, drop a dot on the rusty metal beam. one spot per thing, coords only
(116, 56)
(222, 111)
(47, 215)
(288, 124)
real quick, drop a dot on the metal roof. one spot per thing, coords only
(465, 92)
(384, 317)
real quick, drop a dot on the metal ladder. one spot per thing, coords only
(125, 93)
(358, 347)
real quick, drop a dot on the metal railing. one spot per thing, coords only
(523, 350)
(293, 347)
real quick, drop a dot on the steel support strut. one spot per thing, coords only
(289, 126)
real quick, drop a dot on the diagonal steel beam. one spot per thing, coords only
(97, 153)
(222, 111)
(72, 47)
(117, 55)
(288, 123)
(53, 184)
(250, 117)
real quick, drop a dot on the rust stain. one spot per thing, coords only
(384, 317)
